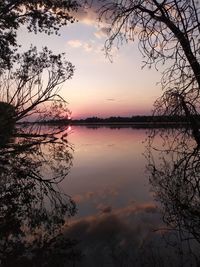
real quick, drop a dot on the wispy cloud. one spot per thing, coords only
(102, 32)
(90, 46)
(88, 12)
(75, 43)
(110, 99)
(87, 46)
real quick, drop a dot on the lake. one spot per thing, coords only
(108, 169)
(100, 196)
(118, 221)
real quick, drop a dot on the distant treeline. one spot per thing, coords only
(133, 119)
(125, 120)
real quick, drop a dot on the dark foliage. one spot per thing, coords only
(174, 176)
(32, 207)
(36, 15)
(168, 37)
(25, 87)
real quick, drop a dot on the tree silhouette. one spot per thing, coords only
(175, 180)
(32, 207)
(33, 81)
(36, 15)
(168, 35)
(33, 159)
(30, 79)
(173, 158)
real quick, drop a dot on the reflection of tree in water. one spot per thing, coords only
(32, 208)
(175, 180)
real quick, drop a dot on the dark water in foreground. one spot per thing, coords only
(103, 197)
(118, 221)
(116, 211)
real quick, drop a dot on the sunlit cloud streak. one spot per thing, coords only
(88, 13)
(110, 99)
(102, 32)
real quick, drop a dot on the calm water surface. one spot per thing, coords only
(118, 222)
(116, 211)
(108, 170)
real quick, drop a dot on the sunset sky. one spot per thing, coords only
(100, 87)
